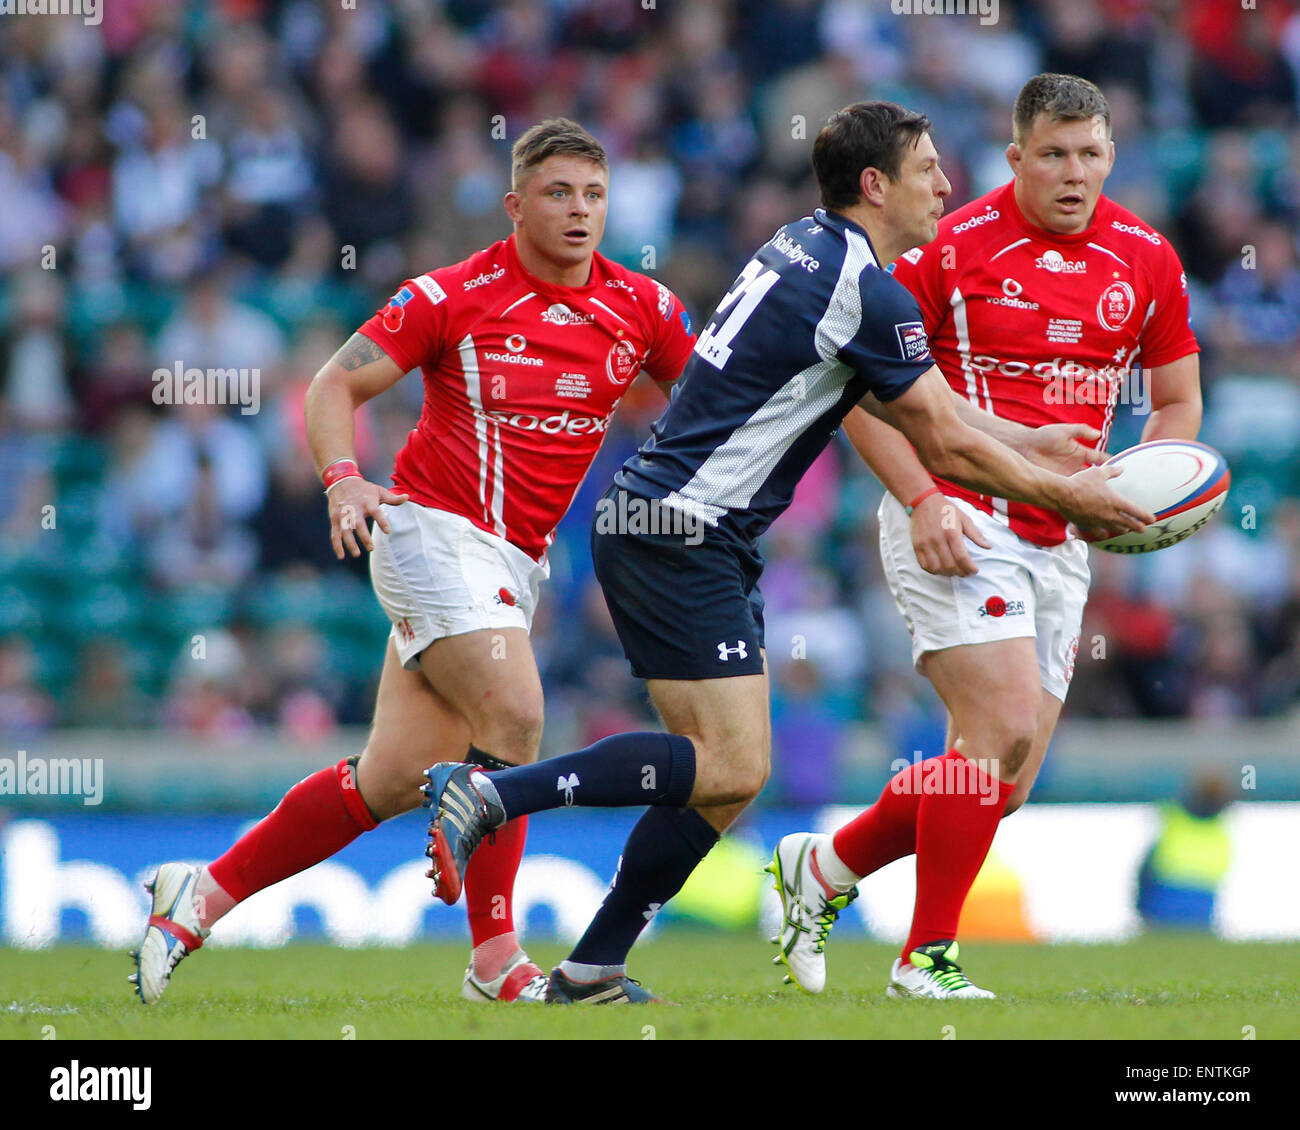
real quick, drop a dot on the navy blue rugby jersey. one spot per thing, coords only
(811, 325)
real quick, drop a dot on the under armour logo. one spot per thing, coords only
(567, 785)
(654, 909)
(724, 651)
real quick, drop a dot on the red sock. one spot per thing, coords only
(954, 829)
(887, 830)
(318, 817)
(490, 882)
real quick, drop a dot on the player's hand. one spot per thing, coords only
(353, 502)
(939, 533)
(1063, 448)
(1094, 506)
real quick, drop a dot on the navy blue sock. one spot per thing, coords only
(627, 769)
(660, 854)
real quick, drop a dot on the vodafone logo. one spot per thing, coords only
(516, 343)
(512, 359)
(1011, 290)
(989, 215)
(1014, 303)
(563, 422)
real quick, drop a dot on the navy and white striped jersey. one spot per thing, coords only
(810, 327)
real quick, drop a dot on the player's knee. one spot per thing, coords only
(1015, 752)
(1010, 740)
(388, 793)
(733, 785)
(747, 783)
(514, 732)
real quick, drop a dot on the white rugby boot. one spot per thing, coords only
(933, 974)
(173, 932)
(809, 907)
(519, 980)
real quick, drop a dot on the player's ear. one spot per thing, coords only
(1014, 156)
(871, 183)
(512, 204)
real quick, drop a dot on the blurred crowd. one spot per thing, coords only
(241, 183)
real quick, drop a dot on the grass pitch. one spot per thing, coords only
(725, 988)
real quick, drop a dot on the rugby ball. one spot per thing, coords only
(1181, 482)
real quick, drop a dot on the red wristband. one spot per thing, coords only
(920, 498)
(340, 469)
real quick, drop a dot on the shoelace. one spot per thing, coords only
(825, 920)
(829, 913)
(950, 977)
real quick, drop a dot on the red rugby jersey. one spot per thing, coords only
(520, 379)
(1043, 328)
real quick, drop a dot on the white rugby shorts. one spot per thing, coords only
(1021, 589)
(438, 575)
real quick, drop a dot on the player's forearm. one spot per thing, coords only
(359, 371)
(1174, 391)
(1178, 420)
(1004, 431)
(887, 452)
(974, 460)
(330, 411)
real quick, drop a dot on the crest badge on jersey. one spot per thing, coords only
(622, 363)
(395, 311)
(1115, 306)
(912, 343)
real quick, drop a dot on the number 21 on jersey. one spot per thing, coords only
(714, 344)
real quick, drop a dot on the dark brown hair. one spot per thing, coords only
(1063, 98)
(865, 135)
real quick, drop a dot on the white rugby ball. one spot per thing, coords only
(1181, 482)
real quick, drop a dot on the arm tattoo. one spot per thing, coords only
(358, 351)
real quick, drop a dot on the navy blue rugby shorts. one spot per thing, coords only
(681, 610)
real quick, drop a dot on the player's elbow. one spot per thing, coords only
(943, 454)
(334, 385)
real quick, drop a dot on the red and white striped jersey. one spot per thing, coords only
(1043, 328)
(520, 379)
